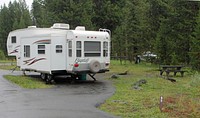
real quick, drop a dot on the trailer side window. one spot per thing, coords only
(58, 48)
(92, 49)
(78, 48)
(26, 50)
(105, 49)
(70, 48)
(41, 49)
(13, 39)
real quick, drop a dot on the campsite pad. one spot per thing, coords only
(63, 101)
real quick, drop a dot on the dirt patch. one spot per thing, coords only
(180, 106)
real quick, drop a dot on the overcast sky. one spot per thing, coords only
(28, 2)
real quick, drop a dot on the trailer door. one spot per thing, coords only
(57, 53)
(69, 55)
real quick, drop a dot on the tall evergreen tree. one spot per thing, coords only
(107, 14)
(195, 44)
(132, 32)
(40, 15)
(19, 14)
(173, 38)
(73, 12)
(4, 15)
(15, 16)
(186, 12)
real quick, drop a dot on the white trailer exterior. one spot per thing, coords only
(58, 50)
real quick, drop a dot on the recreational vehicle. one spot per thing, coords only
(60, 51)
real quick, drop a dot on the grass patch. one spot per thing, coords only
(181, 99)
(27, 82)
(8, 67)
(7, 61)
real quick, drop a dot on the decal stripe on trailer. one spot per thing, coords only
(16, 50)
(47, 41)
(27, 61)
(36, 60)
(32, 61)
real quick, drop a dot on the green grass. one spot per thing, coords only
(7, 61)
(8, 67)
(22, 81)
(27, 82)
(4, 65)
(130, 103)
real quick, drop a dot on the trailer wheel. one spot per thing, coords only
(94, 66)
(50, 79)
(43, 76)
(72, 79)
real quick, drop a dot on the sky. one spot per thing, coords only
(28, 2)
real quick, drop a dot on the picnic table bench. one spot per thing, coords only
(172, 68)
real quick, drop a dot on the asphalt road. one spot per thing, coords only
(65, 100)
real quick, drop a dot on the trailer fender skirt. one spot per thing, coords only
(94, 66)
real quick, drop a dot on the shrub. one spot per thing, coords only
(2, 55)
(195, 80)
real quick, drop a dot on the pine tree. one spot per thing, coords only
(85, 13)
(174, 34)
(186, 12)
(20, 15)
(131, 35)
(4, 27)
(15, 16)
(107, 14)
(195, 45)
(40, 15)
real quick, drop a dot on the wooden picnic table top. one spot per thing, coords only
(171, 66)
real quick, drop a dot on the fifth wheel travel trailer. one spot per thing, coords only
(60, 51)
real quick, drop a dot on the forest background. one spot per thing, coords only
(168, 28)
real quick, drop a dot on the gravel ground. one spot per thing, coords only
(78, 100)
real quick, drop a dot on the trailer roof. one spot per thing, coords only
(33, 31)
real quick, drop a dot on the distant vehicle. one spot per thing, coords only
(60, 51)
(149, 54)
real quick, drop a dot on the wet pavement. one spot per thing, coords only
(78, 100)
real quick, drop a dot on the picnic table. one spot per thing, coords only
(172, 68)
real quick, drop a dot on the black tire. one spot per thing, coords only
(94, 66)
(72, 79)
(43, 76)
(50, 79)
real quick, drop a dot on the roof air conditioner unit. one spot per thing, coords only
(60, 26)
(32, 27)
(81, 28)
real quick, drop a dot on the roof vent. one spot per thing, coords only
(81, 28)
(32, 27)
(60, 26)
